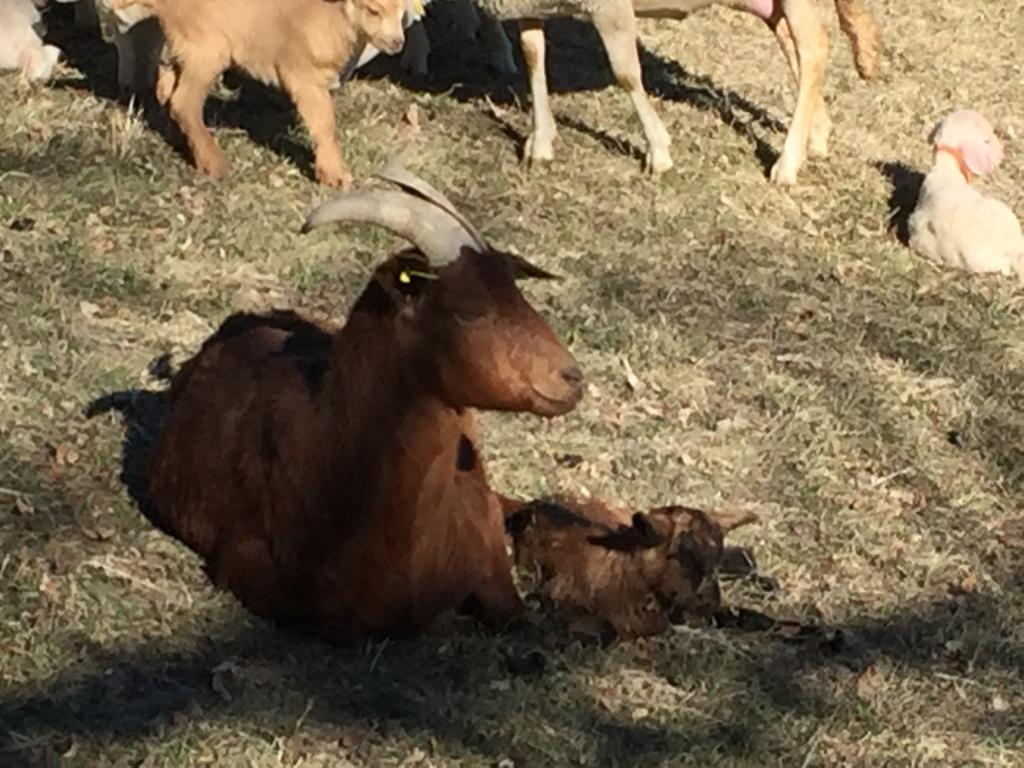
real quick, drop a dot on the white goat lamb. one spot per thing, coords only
(953, 223)
(21, 47)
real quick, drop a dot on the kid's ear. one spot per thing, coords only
(640, 535)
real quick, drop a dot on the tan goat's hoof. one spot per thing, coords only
(214, 166)
(339, 177)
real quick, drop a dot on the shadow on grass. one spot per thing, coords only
(265, 114)
(576, 61)
(462, 687)
(906, 188)
(456, 689)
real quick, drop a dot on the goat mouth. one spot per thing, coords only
(558, 405)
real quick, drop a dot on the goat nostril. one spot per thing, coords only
(573, 376)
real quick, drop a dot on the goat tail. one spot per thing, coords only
(865, 38)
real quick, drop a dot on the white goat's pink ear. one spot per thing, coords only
(982, 157)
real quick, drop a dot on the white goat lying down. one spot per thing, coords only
(21, 47)
(953, 223)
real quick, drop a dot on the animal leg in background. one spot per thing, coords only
(821, 123)
(185, 102)
(539, 144)
(316, 108)
(811, 43)
(139, 50)
(616, 24)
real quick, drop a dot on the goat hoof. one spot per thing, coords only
(784, 173)
(657, 162)
(538, 151)
(334, 177)
(215, 167)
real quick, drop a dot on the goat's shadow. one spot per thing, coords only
(265, 114)
(143, 413)
(576, 61)
(906, 189)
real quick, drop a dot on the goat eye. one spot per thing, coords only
(466, 318)
(374, 12)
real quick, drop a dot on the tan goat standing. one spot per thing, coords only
(297, 45)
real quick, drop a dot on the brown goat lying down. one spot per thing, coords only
(613, 572)
(331, 478)
(297, 45)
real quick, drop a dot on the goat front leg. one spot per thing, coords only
(185, 103)
(616, 25)
(811, 43)
(821, 123)
(540, 143)
(316, 109)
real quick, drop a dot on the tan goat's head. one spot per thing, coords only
(381, 22)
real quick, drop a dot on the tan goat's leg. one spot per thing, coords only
(617, 27)
(821, 123)
(811, 43)
(166, 82)
(317, 110)
(540, 143)
(186, 107)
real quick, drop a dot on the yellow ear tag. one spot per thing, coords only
(418, 9)
(406, 275)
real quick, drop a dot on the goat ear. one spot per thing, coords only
(982, 156)
(640, 535)
(522, 269)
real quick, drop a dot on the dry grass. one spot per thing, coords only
(789, 355)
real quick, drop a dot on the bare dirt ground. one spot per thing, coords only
(776, 349)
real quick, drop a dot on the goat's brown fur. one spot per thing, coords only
(332, 478)
(297, 45)
(610, 569)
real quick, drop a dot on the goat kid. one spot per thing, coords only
(953, 223)
(297, 45)
(332, 478)
(619, 574)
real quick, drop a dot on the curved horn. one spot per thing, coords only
(440, 236)
(394, 170)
